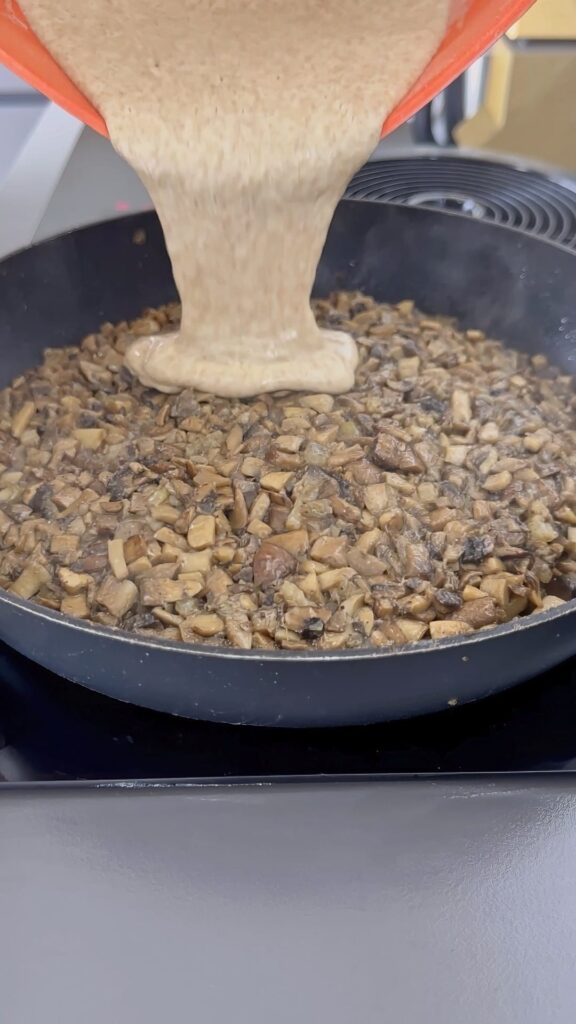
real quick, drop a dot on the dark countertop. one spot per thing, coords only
(422, 902)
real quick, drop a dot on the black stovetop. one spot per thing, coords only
(54, 730)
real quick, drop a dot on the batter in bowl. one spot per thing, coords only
(245, 119)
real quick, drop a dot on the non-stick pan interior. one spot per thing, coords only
(515, 287)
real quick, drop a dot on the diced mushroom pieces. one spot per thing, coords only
(202, 532)
(552, 602)
(461, 407)
(73, 582)
(116, 559)
(30, 580)
(289, 442)
(272, 563)
(489, 433)
(417, 604)
(319, 403)
(134, 547)
(365, 565)
(449, 600)
(541, 530)
(205, 624)
(75, 605)
(491, 565)
(376, 498)
(535, 442)
(333, 641)
(162, 591)
(195, 561)
(332, 551)
(482, 612)
(408, 367)
(333, 579)
(207, 476)
(435, 498)
(90, 437)
(117, 596)
(514, 607)
(166, 618)
(252, 466)
(21, 419)
(497, 482)
(414, 556)
(65, 496)
(224, 553)
(477, 548)
(365, 620)
(260, 506)
(441, 629)
(456, 454)
(393, 454)
(498, 588)
(296, 542)
(239, 514)
(164, 513)
(275, 481)
(338, 622)
(94, 374)
(238, 631)
(305, 620)
(259, 529)
(310, 587)
(265, 620)
(288, 640)
(261, 641)
(292, 595)
(65, 545)
(412, 629)
(345, 510)
(368, 541)
(234, 438)
(218, 583)
(161, 571)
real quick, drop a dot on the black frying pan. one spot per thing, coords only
(516, 287)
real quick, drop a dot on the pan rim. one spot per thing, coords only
(277, 655)
(419, 211)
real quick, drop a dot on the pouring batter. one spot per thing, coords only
(245, 119)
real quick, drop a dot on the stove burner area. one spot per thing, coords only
(52, 730)
(505, 193)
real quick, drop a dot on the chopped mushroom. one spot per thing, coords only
(30, 581)
(272, 563)
(118, 596)
(435, 498)
(391, 453)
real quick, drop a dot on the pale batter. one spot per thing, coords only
(245, 119)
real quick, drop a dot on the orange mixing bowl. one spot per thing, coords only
(474, 26)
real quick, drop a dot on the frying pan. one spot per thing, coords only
(516, 287)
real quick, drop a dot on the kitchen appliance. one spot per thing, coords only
(508, 283)
(524, 88)
(511, 191)
(474, 25)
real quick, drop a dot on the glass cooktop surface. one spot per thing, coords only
(53, 730)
